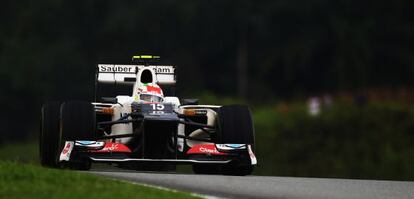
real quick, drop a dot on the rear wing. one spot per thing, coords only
(127, 74)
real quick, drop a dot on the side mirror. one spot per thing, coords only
(189, 102)
(112, 100)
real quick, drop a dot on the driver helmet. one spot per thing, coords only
(149, 93)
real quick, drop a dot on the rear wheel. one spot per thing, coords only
(49, 134)
(78, 122)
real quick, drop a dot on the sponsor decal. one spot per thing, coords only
(112, 147)
(235, 146)
(84, 142)
(229, 147)
(208, 149)
(163, 70)
(89, 144)
(110, 68)
(116, 69)
(67, 150)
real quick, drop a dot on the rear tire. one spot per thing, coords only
(49, 134)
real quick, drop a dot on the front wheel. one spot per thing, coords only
(206, 169)
(236, 127)
(77, 122)
(49, 134)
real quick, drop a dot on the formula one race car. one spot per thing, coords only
(146, 130)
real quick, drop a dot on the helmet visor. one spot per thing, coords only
(150, 98)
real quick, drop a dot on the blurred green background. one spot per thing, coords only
(330, 83)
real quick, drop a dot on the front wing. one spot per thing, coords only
(110, 152)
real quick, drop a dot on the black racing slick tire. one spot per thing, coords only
(237, 170)
(78, 121)
(206, 169)
(236, 126)
(49, 134)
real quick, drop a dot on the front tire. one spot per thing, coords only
(49, 134)
(78, 122)
(236, 127)
(206, 169)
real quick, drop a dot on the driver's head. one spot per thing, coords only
(149, 93)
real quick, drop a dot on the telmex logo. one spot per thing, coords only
(66, 149)
(206, 150)
(111, 147)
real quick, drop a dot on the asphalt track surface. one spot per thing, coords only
(268, 186)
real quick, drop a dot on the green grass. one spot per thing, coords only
(27, 152)
(19, 180)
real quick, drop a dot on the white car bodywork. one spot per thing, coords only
(131, 75)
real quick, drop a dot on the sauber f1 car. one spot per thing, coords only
(145, 130)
